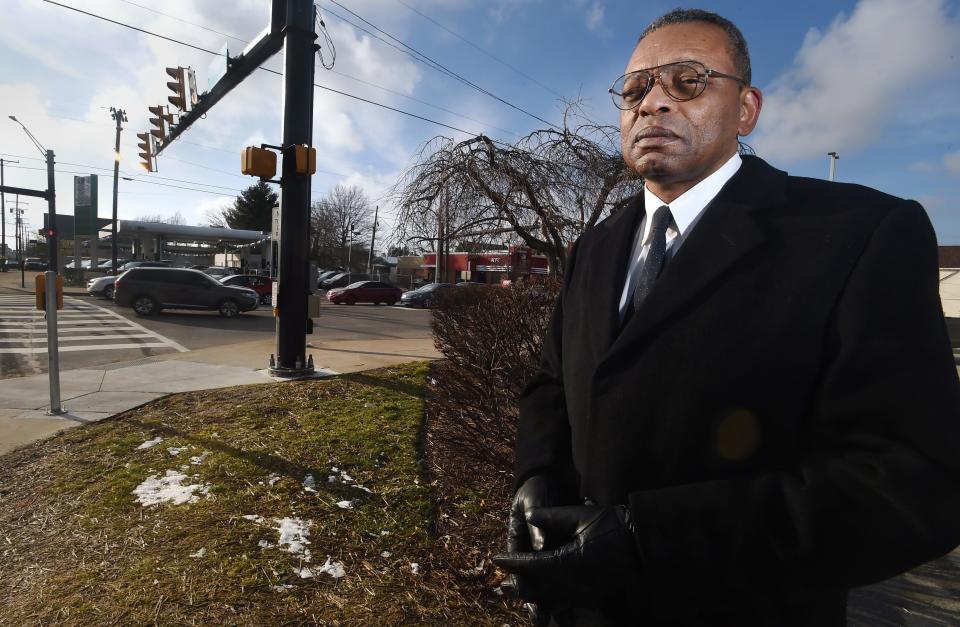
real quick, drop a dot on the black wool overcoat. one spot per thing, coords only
(782, 414)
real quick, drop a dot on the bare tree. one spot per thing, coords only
(342, 219)
(543, 191)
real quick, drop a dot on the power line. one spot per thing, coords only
(482, 50)
(424, 102)
(324, 87)
(179, 19)
(62, 171)
(443, 68)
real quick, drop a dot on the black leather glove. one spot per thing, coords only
(537, 491)
(599, 561)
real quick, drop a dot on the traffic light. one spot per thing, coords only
(160, 132)
(258, 162)
(193, 96)
(49, 232)
(146, 148)
(178, 86)
(306, 157)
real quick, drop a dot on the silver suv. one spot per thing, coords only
(148, 290)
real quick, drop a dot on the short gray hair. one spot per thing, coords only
(738, 45)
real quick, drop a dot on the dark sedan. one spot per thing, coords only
(375, 292)
(426, 296)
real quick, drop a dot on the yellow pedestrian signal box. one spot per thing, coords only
(258, 162)
(306, 160)
(41, 292)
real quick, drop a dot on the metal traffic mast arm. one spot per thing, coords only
(265, 46)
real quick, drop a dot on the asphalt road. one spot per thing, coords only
(94, 331)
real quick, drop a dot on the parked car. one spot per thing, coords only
(148, 290)
(34, 263)
(221, 271)
(326, 274)
(101, 286)
(144, 264)
(375, 292)
(262, 285)
(343, 279)
(426, 296)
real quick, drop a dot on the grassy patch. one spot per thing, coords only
(339, 458)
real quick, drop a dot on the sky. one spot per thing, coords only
(873, 80)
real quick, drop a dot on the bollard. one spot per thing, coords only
(53, 348)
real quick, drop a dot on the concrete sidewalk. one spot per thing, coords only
(92, 394)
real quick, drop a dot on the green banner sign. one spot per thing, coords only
(85, 204)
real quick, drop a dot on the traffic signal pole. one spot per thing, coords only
(292, 28)
(298, 66)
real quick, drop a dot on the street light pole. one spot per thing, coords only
(833, 164)
(4, 249)
(52, 248)
(119, 115)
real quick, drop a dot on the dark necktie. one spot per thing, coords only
(653, 264)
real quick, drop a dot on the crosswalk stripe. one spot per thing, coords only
(22, 324)
(79, 338)
(89, 347)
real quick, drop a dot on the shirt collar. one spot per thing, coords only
(688, 205)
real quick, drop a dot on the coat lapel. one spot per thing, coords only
(608, 270)
(726, 232)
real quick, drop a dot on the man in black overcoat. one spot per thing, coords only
(747, 402)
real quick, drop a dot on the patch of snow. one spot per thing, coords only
(346, 504)
(263, 544)
(386, 554)
(255, 518)
(414, 568)
(384, 533)
(273, 479)
(334, 569)
(331, 478)
(305, 572)
(173, 450)
(293, 534)
(196, 460)
(150, 443)
(200, 553)
(282, 587)
(345, 476)
(169, 488)
(334, 469)
(309, 484)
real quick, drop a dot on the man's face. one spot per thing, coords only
(675, 145)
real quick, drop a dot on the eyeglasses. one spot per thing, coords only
(683, 80)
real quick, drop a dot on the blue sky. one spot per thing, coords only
(875, 80)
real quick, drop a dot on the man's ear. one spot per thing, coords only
(751, 101)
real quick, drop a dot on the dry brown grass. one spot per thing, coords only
(76, 548)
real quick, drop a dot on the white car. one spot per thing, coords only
(101, 286)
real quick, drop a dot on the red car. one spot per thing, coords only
(262, 285)
(375, 292)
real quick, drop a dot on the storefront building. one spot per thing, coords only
(486, 267)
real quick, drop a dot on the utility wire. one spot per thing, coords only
(443, 67)
(423, 102)
(482, 50)
(180, 19)
(324, 87)
(61, 171)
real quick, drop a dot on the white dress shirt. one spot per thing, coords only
(685, 210)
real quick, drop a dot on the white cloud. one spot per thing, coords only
(858, 80)
(951, 161)
(593, 16)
